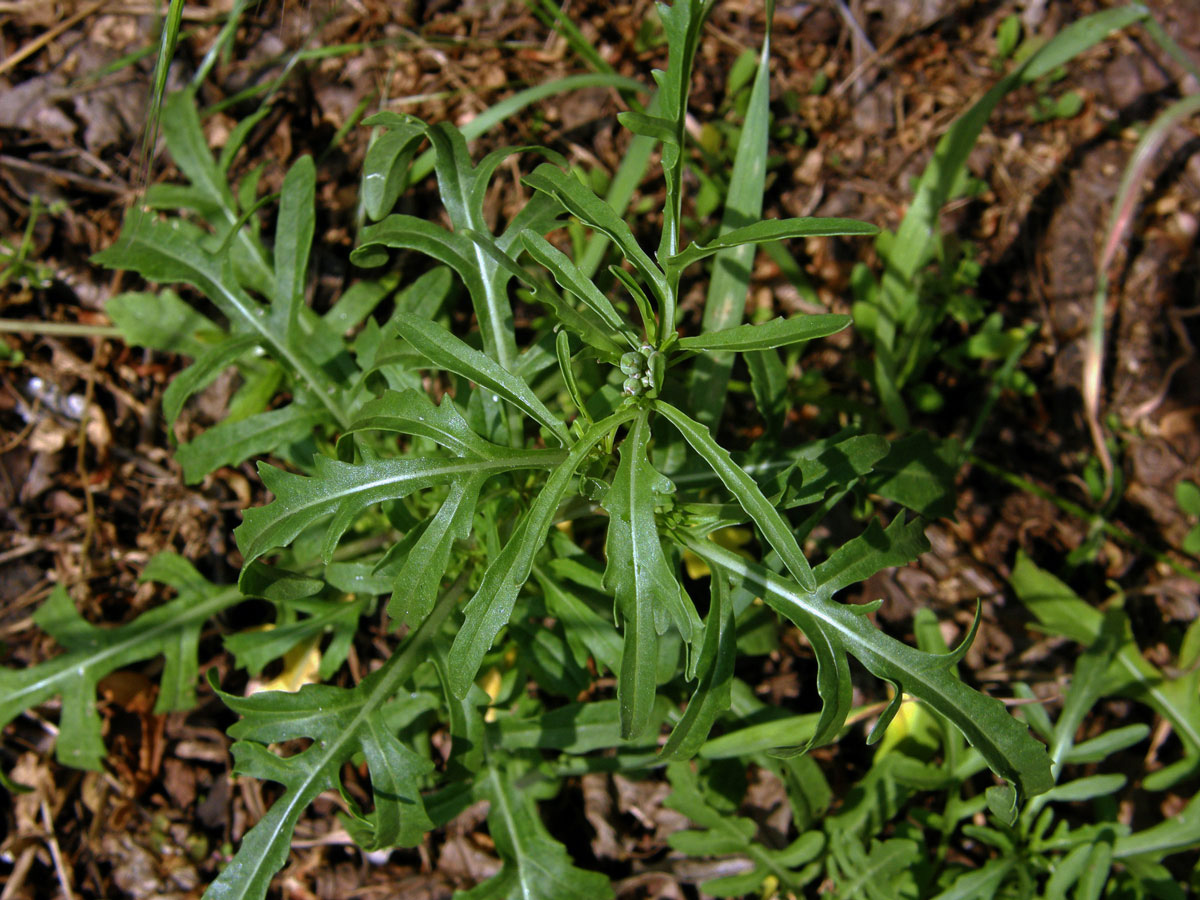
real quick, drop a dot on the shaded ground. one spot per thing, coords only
(88, 506)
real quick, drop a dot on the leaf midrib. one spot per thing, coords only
(816, 607)
(490, 271)
(463, 183)
(402, 665)
(1188, 728)
(642, 566)
(214, 604)
(524, 856)
(259, 324)
(534, 459)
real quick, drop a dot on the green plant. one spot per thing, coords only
(885, 841)
(901, 312)
(556, 482)
(1119, 219)
(1047, 108)
(17, 264)
(1187, 496)
(1060, 611)
(1008, 36)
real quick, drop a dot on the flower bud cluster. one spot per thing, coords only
(644, 370)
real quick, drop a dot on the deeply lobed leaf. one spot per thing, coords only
(171, 630)
(341, 723)
(725, 834)
(536, 866)
(489, 609)
(1003, 741)
(774, 527)
(579, 200)
(342, 491)
(451, 353)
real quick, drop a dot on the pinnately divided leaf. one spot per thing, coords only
(415, 586)
(413, 412)
(536, 866)
(570, 278)
(488, 611)
(479, 260)
(171, 630)
(441, 347)
(772, 230)
(344, 490)
(341, 723)
(207, 366)
(587, 631)
(165, 252)
(712, 695)
(189, 150)
(725, 834)
(1060, 611)
(161, 321)
(230, 442)
(1003, 742)
(591, 210)
(774, 527)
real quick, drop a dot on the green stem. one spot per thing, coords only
(222, 44)
(416, 650)
(59, 329)
(1172, 49)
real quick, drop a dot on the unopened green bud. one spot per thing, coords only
(633, 386)
(631, 363)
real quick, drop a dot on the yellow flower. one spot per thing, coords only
(733, 538)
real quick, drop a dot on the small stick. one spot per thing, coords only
(95, 184)
(81, 468)
(56, 853)
(16, 878)
(39, 42)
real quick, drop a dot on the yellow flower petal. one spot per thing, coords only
(300, 667)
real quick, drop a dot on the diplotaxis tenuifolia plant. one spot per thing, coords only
(525, 501)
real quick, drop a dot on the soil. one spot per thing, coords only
(87, 505)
